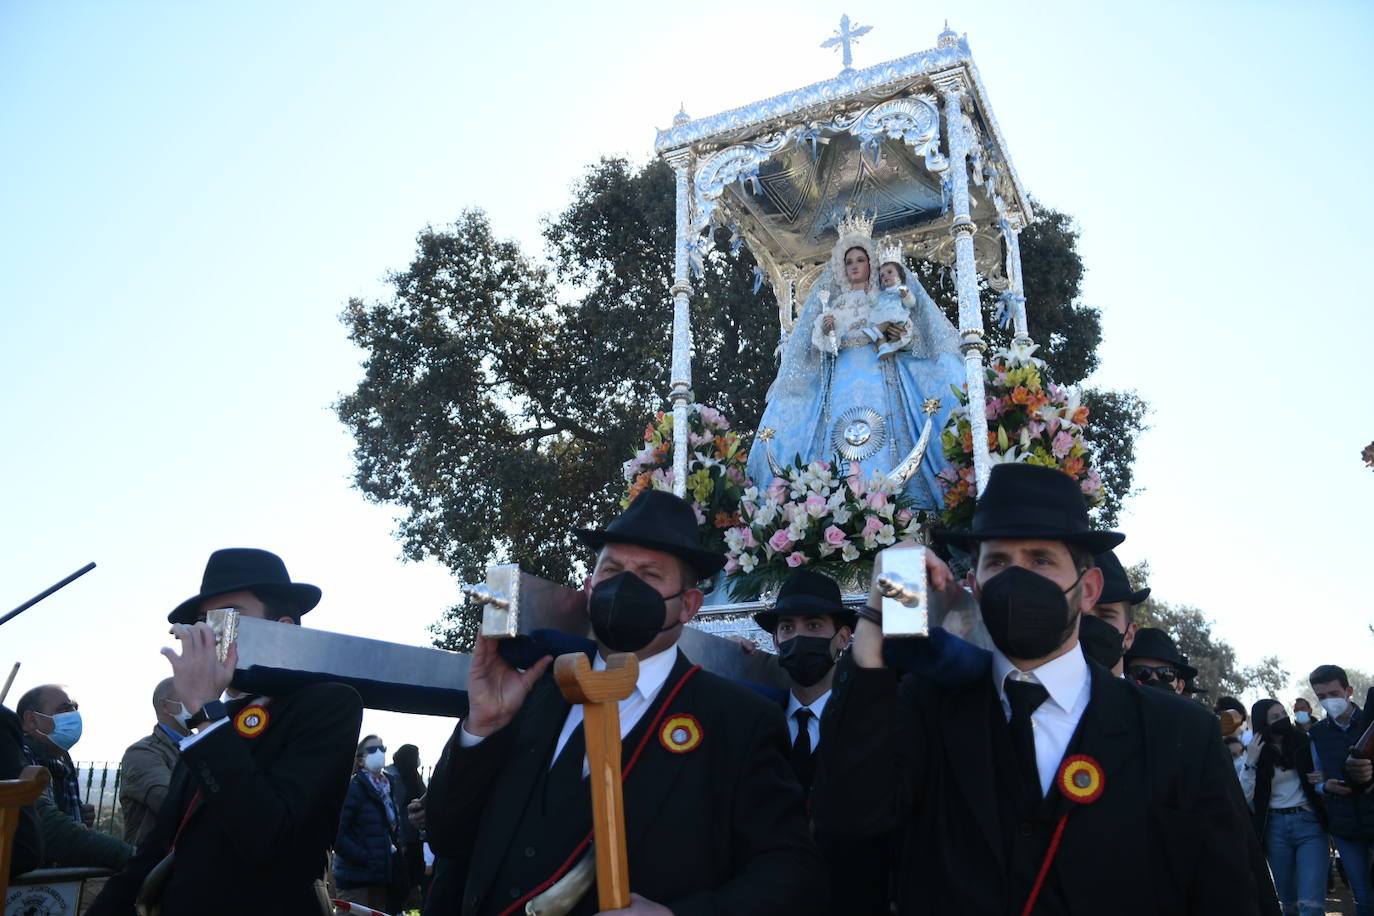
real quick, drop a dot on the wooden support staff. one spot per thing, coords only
(600, 693)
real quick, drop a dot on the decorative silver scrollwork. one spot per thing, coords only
(739, 163)
(914, 120)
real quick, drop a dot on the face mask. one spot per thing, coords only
(374, 760)
(181, 716)
(627, 612)
(1281, 727)
(1100, 640)
(1335, 706)
(66, 729)
(806, 659)
(1026, 614)
(1302, 717)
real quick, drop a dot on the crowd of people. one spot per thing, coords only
(1066, 770)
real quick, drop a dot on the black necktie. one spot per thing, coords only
(1025, 697)
(803, 763)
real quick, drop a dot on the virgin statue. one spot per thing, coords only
(860, 362)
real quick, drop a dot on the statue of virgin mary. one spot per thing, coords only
(852, 381)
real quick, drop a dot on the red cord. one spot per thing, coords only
(625, 771)
(1045, 866)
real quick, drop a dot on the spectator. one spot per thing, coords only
(146, 769)
(1116, 606)
(1154, 661)
(1242, 730)
(52, 726)
(1302, 714)
(407, 786)
(1236, 747)
(1351, 816)
(28, 839)
(1289, 816)
(365, 852)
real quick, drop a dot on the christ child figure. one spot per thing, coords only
(892, 313)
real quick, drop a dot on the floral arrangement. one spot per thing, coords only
(814, 516)
(716, 478)
(1030, 419)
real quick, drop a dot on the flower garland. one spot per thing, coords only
(716, 477)
(815, 517)
(1030, 419)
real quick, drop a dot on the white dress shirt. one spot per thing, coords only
(1054, 721)
(653, 672)
(813, 725)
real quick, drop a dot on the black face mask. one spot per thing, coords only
(1100, 640)
(1281, 728)
(806, 659)
(1026, 614)
(627, 612)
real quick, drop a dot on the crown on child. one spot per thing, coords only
(890, 252)
(855, 221)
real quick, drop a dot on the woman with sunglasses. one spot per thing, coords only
(1289, 815)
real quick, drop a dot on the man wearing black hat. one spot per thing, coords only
(1115, 604)
(1154, 661)
(713, 819)
(254, 802)
(1050, 786)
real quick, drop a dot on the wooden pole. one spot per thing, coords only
(9, 682)
(600, 693)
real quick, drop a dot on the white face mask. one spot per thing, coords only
(374, 760)
(1335, 706)
(180, 715)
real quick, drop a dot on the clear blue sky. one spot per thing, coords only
(191, 193)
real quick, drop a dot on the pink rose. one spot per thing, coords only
(815, 506)
(780, 540)
(904, 515)
(795, 559)
(877, 499)
(1062, 443)
(777, 490)
(834, 537)
(871, 526)
(747, 537)
(731, 564)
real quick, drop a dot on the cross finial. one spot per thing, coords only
(844, 38)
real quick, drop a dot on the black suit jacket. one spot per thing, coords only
(268, 810)
(1169, 834)
(714, 830)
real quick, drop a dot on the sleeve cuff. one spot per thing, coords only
(189, 740)
(468, 740)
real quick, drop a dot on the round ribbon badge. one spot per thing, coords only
(251, 721)
(1081, 779)
(680, 734)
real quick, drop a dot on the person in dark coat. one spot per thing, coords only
(406, 787)
(365, 851)
(1289, 816)
(713, 816)
(1050, 786)
(1350, 816)
(254, 804)
(28, 841)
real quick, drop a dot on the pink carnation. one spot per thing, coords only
(780, 540)
(795, 559)
(834, 537)
(1062, 443)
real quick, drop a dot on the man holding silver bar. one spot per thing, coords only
(254, 803)
(1044, 785)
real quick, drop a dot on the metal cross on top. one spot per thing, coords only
(843, 38)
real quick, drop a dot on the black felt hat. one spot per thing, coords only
(1151, 642)
(237, 569)
(1023, 501)
(660, 521)
(807, 593)
(1115, 584)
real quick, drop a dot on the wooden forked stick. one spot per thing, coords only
(600, 693)
(9, 682)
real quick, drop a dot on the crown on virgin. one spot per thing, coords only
(890, 252)
(855, 222)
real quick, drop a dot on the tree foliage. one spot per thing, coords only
(500, 396)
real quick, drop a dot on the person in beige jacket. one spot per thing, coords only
(146, 768)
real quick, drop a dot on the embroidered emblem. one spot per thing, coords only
(680, 734)
(251, 721)
(1081, 779)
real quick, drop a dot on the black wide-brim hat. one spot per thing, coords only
(807, 593)
(237, 569)
(1152, 642)
(1027, 501)
(1116, 585)
(658, 520)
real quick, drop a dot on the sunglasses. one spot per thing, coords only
(1143, 673)
(368, 750)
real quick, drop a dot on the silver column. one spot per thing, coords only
(680, 381)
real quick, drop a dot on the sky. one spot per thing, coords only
(192, 192)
